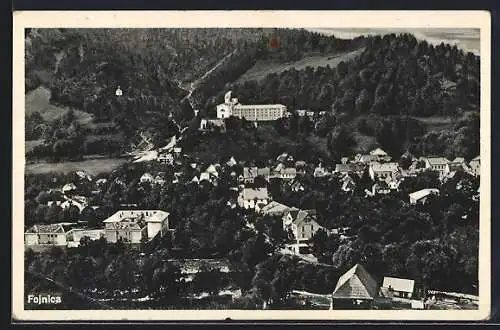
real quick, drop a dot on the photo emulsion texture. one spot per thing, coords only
(274, 169)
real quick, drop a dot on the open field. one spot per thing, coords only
(39, 100)
(262, 68)
(91, 166)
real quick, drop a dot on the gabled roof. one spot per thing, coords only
(398, 284)
(299, 216)
(433, 161)
(53, 228)
(350, 167)
(254, 193)
(378, 152)
(275, 207)
(459, 160)
(385, 167)
(356, 283)
(423, 193)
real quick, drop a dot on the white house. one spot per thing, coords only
(422, 195)
(383, 171)
(399, 287)
(475, 166)
(275, 208)
(68, 187)
(147, 178)
(250, 197)
(54, 234)
(302, 223)
(135, 225)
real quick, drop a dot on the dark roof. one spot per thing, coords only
(356, 283)
(350, 167)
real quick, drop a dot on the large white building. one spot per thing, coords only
(134, 225)
(252, 112)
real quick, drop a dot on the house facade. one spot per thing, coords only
(250, 197)
(54, 234)
(384, 171)
(302, 223)
(132, 226)
(258, 112)
(399, 287)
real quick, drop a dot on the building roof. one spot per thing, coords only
(350, 167)
(69, 186)
(399, 284)
(385, 167)
(147, 176)
(290, 171)
(254, 193)
(299, 216)
(275, 207)
(258, 106)
(433, 161)
(211, 169)
(459, 160)
(204, 176)
(475, 159)
(378, 152)
(53, 228)
(149, 215)
(423, 193)
(356, 283)
(366, 158)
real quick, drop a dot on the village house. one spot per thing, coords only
(381, 155)
(84, 175)
(231, 162)
(302, 223)
(349, 168)
(422, 195)
(250, 197)
(101, 182)
(348, 183)
(132, 226)
(437, 164)
(475, 166)
(276, 209)
(383, 171)
(399, 287)
(68, 187)
(79, 201)
(53, 234)
(356, 289)
(147, 178)
(458, 164)
(166, 158)
(296, 186)
(250, 173)
(212, 125)
(320, 171)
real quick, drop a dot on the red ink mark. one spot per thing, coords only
(274, 43)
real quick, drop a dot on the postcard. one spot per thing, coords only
(251, 165)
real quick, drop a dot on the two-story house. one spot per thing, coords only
(384, 171)
(132, 226)
(53, 234)
(302, 223)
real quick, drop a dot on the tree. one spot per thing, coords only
(340, 142)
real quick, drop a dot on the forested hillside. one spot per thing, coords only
(156, 69)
